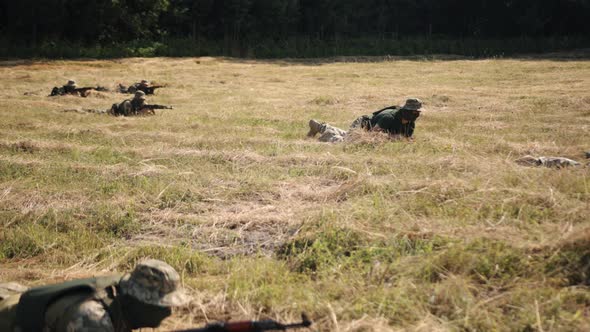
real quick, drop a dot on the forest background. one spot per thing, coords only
(289, 28)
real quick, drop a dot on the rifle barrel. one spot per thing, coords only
(252, 326)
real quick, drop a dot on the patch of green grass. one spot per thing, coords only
(184, 259)
(346, 248)
(483, 261)
(65, 235)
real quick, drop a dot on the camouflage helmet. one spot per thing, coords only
(412, 104)
(154, 282)
(139, 94)
(144, 82)
(71, 83)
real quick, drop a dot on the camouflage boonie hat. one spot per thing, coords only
(139, 95)
(412, 104)
(71, 83)
(144, 82)
(154, 282)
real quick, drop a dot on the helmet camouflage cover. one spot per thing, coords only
(154, 282)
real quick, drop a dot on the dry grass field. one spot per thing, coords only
(441, 233)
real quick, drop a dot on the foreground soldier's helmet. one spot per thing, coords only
(139, 94)
(144, 82)
(412, 104)
(154, 282)
(71, 83)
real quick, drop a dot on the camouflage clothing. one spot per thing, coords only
(154, 282)
(79, 313)
(130, 106)
(556, 162)
(327, 132)
(11, 288)
(332, 134)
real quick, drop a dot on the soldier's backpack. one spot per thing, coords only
(30, 311)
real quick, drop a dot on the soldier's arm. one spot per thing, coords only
(86, 316)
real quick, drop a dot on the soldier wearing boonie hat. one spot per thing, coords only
(394, 120)
(137, 102)
(142, 298)
(139, 95)
(70, 86)
(154, 282)
(412, 104)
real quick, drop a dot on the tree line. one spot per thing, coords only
(245, 22)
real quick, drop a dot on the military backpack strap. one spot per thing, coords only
(107, 296)
(385, 109)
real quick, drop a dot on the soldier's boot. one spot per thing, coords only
(314, 128)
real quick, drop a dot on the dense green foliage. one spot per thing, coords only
(238, 27)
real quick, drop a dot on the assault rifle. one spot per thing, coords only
(252, 326)
(83, 92)
(149, 109)
(149, 90)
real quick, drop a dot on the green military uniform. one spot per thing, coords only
(390, 121)
(96, 304)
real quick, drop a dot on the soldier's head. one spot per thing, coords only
(144, 83)
(139, 95)
(71, 83)
(411, 109)
(149, 292)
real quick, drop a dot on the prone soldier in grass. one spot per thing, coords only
(142, 298)
(135, 106)
(71, 88)
(145, 86)
(394, 120)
